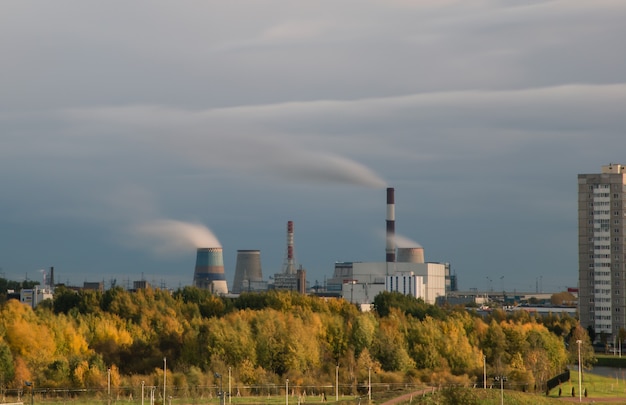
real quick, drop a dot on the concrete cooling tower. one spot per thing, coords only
(209, 272)
(247, 271)
(411, 255)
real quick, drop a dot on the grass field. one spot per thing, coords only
(600, 390)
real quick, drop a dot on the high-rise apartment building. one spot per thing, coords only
(602, 249)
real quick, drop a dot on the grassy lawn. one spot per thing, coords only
(596, 386)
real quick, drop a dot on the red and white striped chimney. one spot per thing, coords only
(391, 226)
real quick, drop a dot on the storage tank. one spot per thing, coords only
(209, 272)
(247, 270)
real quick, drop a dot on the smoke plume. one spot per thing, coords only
(171, 236)
(404, 242)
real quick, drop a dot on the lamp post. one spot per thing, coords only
(164, 378)
(143, 383)
(32, 390)
(502, 379)
(369, 384)
(287, 391)
(484, 372)
(580, 381)
(220, 394)
(337, 383)
(109, 385)
(229, 394)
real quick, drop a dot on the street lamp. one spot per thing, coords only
(337, 383)
(229, 394)
(484, 372)
(580, 381)
(164, 378)
(287, 391)
(369, 384)
(220, 394)
(143, 383)
(109, 385)
(502, 379)
(32, 388)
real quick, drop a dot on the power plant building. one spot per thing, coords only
(602, 249)
(360, 282)
(404, 271)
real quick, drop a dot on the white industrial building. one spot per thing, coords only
(360, 282)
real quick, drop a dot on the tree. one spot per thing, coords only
(7, 368)
(586, 348)
(592, 333)
(563, 298)
(390, 345)
(64, 300)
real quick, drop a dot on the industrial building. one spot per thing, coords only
(602, 249)
(403, 271)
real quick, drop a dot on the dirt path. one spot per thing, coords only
(406, 397)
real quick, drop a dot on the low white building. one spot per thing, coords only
(34, 296)
(360, 282)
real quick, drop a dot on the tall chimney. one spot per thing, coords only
(290, 265)
(391, 226)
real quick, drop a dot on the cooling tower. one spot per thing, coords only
(247, 270)
(209, 272)
(391, 227)
(411, 255)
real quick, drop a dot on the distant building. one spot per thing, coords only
(291, 282)
(601, 249)
(95, 286)
(34, 296)
(140, 285)
(360, 282)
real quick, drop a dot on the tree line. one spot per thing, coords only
(78, 339)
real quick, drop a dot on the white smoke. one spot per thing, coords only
(404, 242)
(400, 241)
(171, 236)
(328, 168)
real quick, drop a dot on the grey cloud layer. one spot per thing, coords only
(118, 114)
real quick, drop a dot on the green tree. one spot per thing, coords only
(390, 346)
(64, 300)
(7, 368)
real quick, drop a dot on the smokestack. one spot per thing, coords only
(391, 226)
(247, 270)
(290, 266)
(209, 272)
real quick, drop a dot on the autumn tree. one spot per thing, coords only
(587, 353)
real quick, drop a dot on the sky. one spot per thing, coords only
(133, 132)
